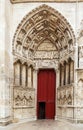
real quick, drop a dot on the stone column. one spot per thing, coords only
(67, 67)
(35, 74)
(17, 73)
(60, 75)
(62, 81)
(56, 92)
(65, 73)
(29, 77)
(57, 77)
(5, 75)
(69, 71)
(26, 75)
(23, 75)
(72, 72)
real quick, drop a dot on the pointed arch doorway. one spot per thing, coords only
(41, 38)
(46, 94)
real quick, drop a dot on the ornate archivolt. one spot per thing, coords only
(43, 39)
(43, 24)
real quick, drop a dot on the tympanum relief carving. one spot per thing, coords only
(46, 64)
(46, 55)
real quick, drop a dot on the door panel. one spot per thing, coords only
(50, 110)
(42, 78)
(51, 86)
(41, 110)
(46, 93)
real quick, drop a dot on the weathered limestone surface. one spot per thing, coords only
(5, 71)
(43, 38)
(46, 46)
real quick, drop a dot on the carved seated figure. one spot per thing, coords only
(64, 100)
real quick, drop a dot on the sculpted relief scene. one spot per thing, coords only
(43, 39)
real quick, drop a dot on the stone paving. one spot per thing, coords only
(43, 125)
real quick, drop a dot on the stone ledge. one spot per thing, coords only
(60, 1)
(5, 123)
(23, 107)
(65, 86)
(70, 106)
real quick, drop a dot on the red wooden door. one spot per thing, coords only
(46, 93)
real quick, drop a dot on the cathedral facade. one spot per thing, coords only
(41, 63)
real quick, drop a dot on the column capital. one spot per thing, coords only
(36, 69)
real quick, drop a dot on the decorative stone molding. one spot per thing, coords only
(25, 1)
(46, 64)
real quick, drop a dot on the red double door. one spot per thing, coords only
(46, 94)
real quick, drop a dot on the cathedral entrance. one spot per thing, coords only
(46, 94)
(44, 39)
